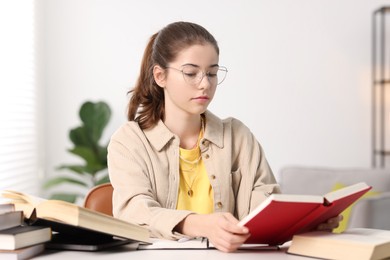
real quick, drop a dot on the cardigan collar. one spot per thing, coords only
(159, 136)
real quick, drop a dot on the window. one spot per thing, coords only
(19, 153)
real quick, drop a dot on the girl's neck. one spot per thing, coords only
(187, 129)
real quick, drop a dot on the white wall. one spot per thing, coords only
(299, 71)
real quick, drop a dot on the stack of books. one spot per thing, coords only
(73, 227)
(17, 240)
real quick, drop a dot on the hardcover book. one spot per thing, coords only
(281, 216)
(355, 243)
(22, 253)
(87, 243)
(23, 236)
(6, 207)
(11, 219)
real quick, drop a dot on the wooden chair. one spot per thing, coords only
(99, 198)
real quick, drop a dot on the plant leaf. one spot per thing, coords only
(80, 169)
(85, 169)
(86, 153)
(80, 137)
(102, 154)
(95, 117)
(60, 180)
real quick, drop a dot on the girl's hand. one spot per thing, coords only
(221, 229)
(224, 233)
(330, 224)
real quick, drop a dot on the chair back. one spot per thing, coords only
(99, 198)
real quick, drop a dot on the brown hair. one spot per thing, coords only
(146, 104)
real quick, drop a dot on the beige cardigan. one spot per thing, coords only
(144, 171)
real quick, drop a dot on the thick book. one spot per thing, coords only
(6, 207)
(23, 236)
(71, 219)
(61, 241)
(11, 219)
(281, 216)
(355, 243)
(22, 253)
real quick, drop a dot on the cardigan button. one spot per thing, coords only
(206, 156)
(219, 205)
(213, 177)
(205, 142)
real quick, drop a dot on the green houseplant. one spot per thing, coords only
(85, 138)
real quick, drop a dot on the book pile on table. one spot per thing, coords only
(17, 240)
(74, 227)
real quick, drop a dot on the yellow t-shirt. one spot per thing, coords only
(195, 191)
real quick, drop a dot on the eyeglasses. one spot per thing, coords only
(194, 75)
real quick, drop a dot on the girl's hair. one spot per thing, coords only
(146, 104)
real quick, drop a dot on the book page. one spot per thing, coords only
(175, 244)
(353, 244)
(356, 236)
(347, 191)
(23, 202)
(18, 197)
(368, 232)
(58, 210)
(196, 243)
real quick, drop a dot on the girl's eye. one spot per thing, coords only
(190, 74)
(211, 74)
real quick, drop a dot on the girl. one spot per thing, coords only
(176, 167)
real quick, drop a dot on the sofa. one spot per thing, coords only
(371, 211)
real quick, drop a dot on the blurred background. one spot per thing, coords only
(299, 75)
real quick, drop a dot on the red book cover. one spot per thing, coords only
(281, 216)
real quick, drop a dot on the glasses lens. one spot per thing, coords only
(221, 74)
(192, 75)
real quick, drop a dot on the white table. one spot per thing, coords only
(162, 254)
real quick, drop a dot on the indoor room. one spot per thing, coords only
(307, 78)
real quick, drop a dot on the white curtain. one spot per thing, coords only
(19, 138)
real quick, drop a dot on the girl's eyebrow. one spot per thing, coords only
(194, 65)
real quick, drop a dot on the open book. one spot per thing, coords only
(281, 216)
(355, 243)
(70, 219)
(195, 243)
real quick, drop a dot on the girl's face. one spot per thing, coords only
(190, 82)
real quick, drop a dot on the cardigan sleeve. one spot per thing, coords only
(131, 171)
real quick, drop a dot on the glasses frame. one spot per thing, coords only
(220, 68)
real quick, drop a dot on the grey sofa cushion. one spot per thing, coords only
(319, 181)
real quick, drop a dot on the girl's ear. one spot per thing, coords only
(159, 76)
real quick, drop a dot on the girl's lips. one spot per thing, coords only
(202, 98)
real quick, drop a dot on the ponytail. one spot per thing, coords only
(146, 105)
